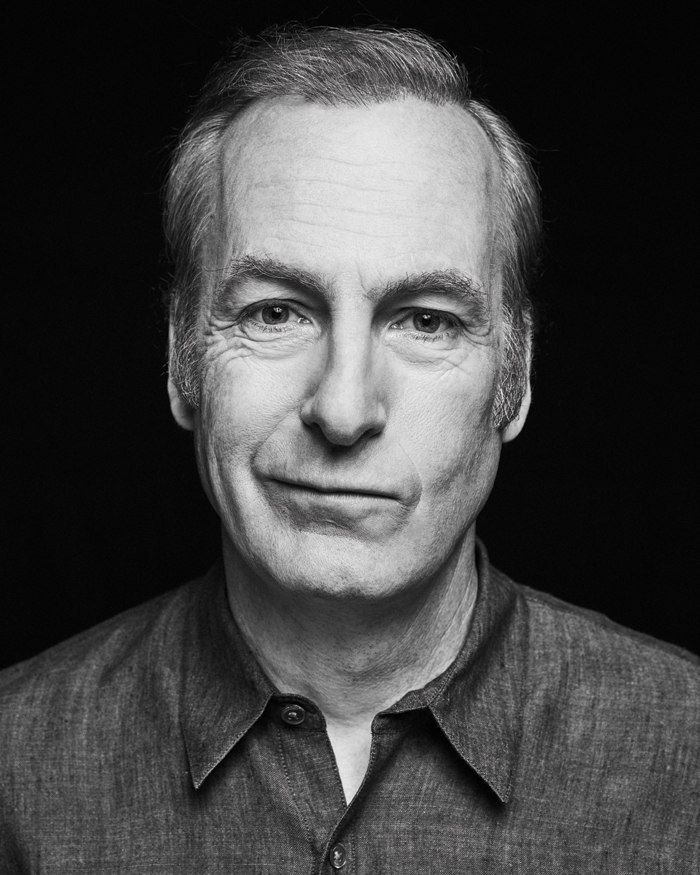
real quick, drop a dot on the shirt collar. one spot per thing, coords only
(224, 689)
(477, 701)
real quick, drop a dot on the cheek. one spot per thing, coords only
(243, 402)
(448, 430)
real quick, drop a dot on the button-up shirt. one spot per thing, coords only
(556, 742)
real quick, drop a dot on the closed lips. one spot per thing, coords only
(336, 488)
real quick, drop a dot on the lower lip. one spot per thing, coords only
(335, 506)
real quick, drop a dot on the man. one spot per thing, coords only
(353, 686)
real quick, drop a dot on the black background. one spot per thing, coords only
(594, 502)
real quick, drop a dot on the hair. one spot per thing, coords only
(358, 67)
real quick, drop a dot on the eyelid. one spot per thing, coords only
(251, 323)
(293, 306)
(473, 321)
(453, 320)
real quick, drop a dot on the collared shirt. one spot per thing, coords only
(556, 742)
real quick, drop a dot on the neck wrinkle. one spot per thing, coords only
(351, 660)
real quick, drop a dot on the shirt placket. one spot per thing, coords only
(310, 771)
(314, 783)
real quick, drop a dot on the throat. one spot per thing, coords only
(351, 658)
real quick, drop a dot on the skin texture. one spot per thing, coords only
(350, 361)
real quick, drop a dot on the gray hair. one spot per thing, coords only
(359, 67)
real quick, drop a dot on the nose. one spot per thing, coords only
(347, 397)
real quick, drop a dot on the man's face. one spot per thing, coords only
(350, 357)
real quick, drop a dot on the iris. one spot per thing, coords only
(275, 314)
(426, 322)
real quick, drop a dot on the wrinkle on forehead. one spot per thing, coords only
(299, 128)
(410, 174)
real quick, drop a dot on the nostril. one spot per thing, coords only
(344, 435)
(343, 423)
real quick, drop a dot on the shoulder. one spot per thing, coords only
(600, 652)
(610, 701)
(100, 671)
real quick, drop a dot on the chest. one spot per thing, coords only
(276, 802)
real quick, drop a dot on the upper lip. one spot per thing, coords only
(350, 488)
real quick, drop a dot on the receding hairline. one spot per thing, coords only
(469, 138)
(276, 105)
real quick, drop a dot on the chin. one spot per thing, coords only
(344, 569)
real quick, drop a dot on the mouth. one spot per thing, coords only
(337, 490)
(333, 506)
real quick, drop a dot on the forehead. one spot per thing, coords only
(372, 191)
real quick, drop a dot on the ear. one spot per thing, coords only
(515, 426)
(180, 409)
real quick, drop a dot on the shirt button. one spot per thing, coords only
(338, 856)
(293, 714)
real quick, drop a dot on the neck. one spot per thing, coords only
(354, 658)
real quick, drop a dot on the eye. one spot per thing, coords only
(427, 322)
(273, 317)
(274, 314)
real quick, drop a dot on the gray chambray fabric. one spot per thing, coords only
(556, 742)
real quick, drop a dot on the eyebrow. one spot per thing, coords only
(449, 283)
(253, 267)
